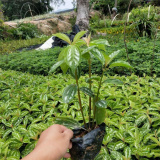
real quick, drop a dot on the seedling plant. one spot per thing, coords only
(70, 59)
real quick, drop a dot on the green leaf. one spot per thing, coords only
(78, 72)
(64, 66)
(26, 139)
(12, 158)
(86, 56)
(99, 41)
(119, 135)
(127, 152)
(116, 145)
(109, 136)
(7, 132)
(155, 140)
(140, 119)
(119, 145)
(17, 135)
(116, 155)
(68, 122)
(29, 148)
(18, 122)
(80, 42)
(101, 104)
(87, 50)
(109, 58)
(87, 91)
(63, 37)
(89, 80)
(55, 66)
(103, 156)
(69, 93)
(73, 57)
(33, 134)
(100, 44)
(113, 81)
(14, 153)
(100, 115)
(78, 36)
(120, 64)
(98, 55)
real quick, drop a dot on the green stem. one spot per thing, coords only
(100, 83)
(89, 62)
(80, 102)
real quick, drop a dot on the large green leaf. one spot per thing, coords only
(69, 93)
(64, 66)
(55, 66)
(63, 37)
(78, 36)
(73, 57)
(68, 122)
(99, 41)
(100, 115)
(120, 64)
(87, 91)
(109, 58)
(98, 55)
(113, 81)
(101, 104)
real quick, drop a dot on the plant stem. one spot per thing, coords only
(100, 83)
(155, 37)
(79, 99)
(89, 62)
(125, 33)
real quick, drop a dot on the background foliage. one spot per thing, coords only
(15, 9)
(39, 62)
(10, 46)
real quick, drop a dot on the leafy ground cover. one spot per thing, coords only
(35, 62)
(140, 55)
(30, 103)
(11, 46)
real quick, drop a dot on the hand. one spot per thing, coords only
(53, 144)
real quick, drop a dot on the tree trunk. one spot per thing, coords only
(115, 5)
(82, 14)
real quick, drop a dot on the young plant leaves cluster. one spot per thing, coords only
(71, 57)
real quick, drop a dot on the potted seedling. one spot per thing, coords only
(87, 139)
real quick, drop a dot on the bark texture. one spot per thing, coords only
(82, 14)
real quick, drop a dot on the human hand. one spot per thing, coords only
(52, 144)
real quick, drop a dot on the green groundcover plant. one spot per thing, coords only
(30, 103)
(39, 62)
(70, 58)
(10, 46)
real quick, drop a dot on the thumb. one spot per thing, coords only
(68, 133)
